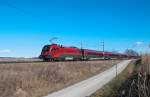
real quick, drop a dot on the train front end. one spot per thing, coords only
(46, 53)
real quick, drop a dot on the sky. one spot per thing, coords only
(27, 25)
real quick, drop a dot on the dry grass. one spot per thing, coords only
(138, 85)
(146, 63)
(111, 89)
(140, 82)
(37, 79)
(135, 84)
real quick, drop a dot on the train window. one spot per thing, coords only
(46, 48)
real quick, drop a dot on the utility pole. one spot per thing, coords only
(82, 51)
(149, 64)
(81, 45)
(103, 45)
(116, 70)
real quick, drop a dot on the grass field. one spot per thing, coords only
(38, 79)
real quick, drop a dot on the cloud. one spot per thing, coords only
(138, 43)
(5, 51)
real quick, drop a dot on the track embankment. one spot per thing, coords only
(41, 78)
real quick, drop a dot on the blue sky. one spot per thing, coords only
(27, 25)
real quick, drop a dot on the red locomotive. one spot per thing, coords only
(58, 52)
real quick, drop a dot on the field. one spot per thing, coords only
(9, 60)
(40, 78)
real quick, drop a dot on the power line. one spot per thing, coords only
(81, 45)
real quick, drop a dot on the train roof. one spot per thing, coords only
(88, 49)
(66, 46)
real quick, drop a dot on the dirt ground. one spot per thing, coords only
(38, 79)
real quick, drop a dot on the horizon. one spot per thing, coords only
(27, 25)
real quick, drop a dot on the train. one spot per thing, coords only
(55, 52)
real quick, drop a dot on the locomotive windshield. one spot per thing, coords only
(46, 48)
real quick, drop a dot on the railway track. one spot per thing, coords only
(9, 62)
(18, 60)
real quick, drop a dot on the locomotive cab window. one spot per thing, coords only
(46, 48)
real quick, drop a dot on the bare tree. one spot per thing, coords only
(131, 52)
